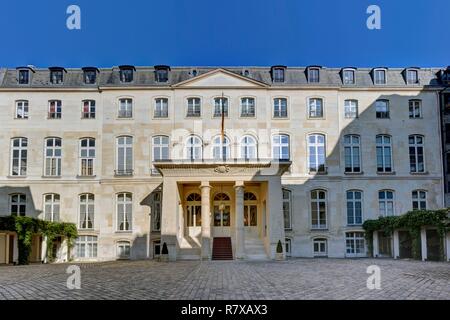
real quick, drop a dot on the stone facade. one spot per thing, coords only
(306, 210)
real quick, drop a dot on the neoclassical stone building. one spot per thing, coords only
(218, 162)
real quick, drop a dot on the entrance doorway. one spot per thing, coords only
(384, 245)
(250, 213)
(222, 215)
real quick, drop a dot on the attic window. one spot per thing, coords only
(278, 74)
(379, 76)
(445, 76)
(126, 73)
(162, 73)
(90, 75)
(348, 76)
(412, 76)
(56, 75)
(194, 73)
(23, 76)
(313, 75)
(246, 73)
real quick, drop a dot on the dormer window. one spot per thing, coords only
(348, 76)
(23, 76)
(278, 73)
(379, 76)
(445, 76)
(246, 73)
(57, 75)
(313, 74)
(126, 73)
(162, 73)
(90, 75)
(412, 76)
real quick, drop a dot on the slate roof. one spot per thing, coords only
(145, 77)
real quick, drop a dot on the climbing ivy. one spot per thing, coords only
(25, 227)
(412, 221)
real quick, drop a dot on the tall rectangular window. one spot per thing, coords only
(419, 200)
(355, 244)
(280, 147)
(18, 204)
(51, 207)
(87, 211)
(316, 153)
(412, 77)
(193, 107)
(384, 153)
(24, 76)
(379, 76)
(53, 154)
(416, 154)
(278, 74)
(220, 105)
(386, 203)
(126, 74)
(55, 109)
(415, 109)
(86, 247)
(313, 75)
(160, 150)
(348, 76)
(382, 109)
(319, 209)
(90, 76)
(88, 111)
(87, 156)
(125, 108)
(287, 209)
(161, 108)
(124, 211)
(21, 109)
(19, 155)
(280, 108)
(352, 153)
(354, 207)
(56, 76)
(156, 212)
(247, 107)
(351, 109)
(124, 156)
(315, 108)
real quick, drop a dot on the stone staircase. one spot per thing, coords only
(254, 247)
(222, 249)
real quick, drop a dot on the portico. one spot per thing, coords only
(207, 201)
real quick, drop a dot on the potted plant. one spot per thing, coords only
(279, 253)
(164, 253)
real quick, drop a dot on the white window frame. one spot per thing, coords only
(280, 111)
(310, 78)
(23, 147)
(127, 168)
(22, 109)
(123, 246)
(57, 114)
(422, 203)
(54, 160)
(414, 105)
(354, 153)
(319, 242)
(221, 148)
(356, 238)
(52, 202)
(279, 146)
(194, 148)
(161, 108)
(123, 219)
(125, 110)
(316, 110)
(194, 107)
(316, 213)
(248, 107)
(219, 103)
(249, 148)
(21, 202)
(86, 205)
(382, 114)
(408, 71)
(353, 202)
(376, 80)
(91, 109)
(344, 79)
(316, 147)
(87, 160)
(385, 203)
(351, 108)
(88, 241)
(383, 146)
(414, 159)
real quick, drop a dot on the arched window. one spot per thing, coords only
(53, 154)
(384, 153)
(51, 207)
(194, 197)
(319, 209)
(124, 156)
(249, 196)
(221, 148)
(316, 153)
(220, 105)
(354, 207)
(194, 148)
(19, 156)
(124, 211)
(221, 197)
(87, 211)
(194, 210)
(352, 153)
(419, 200)
(18, 204)
(280, 147)
(87, 156)
(416, 153)
(249, 148)
(386, 203)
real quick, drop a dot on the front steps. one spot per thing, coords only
(222, 249)
(254, 247)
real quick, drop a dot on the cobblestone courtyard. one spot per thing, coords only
(292, 279)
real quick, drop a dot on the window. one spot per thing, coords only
(379, 76)
(18, 204)
(193, 107)
(86, 247)
(88, 111)
(123, 250)
(352, 153)
(315, 108)
(412, 76)
(160, 149)
(355, 244)
(384, 153)
(21, 109)
(56, 75)
(354, 207)
(249, 148)
(320, 247)
(162, 73)
(87, 156)
(53, 154)
(313, 75)
(278, 74)
(221, 148)
(416, 154)
(156, 211)
(280, 147)
(419, 200)
(316, 153)
(194, 148)
(161, 108)
(386, 203)
(194, 210)
(318, 209)
(250, 210)
(382, 109)
(90, 75)
(288, 247)
(126, 74)
(220, 105)
(124, 211)
(348, 76)
(124, 156)
(54, 109)
(23, 76)
(351, 109)
(19, 155)
(51, 207)
(287, 209)
(415, 109)
(280, 108)
(247, 107)
(87, 211)
(125, 108)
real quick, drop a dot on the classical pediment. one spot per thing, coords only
(220, 78)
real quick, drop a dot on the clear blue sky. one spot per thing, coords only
(225, 32)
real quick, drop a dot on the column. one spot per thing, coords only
(423, 243)
(169, 217)
(7, 248)
(376, 250)
(44, 249)
(239, 214)
(396, 245)
(206, 220)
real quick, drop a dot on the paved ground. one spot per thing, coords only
(292, 279)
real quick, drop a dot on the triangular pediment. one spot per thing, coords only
(220, 78)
